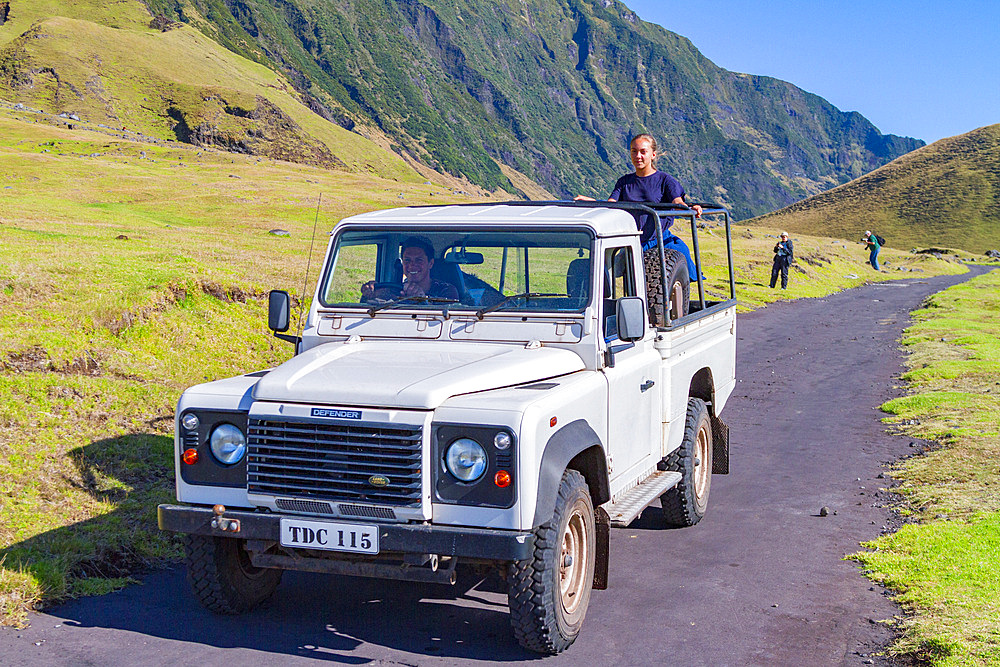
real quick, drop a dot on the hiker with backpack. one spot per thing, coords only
(874, 242)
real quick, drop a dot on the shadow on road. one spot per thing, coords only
(347, 620)
(320, 617)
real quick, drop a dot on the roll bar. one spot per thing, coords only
(660, 211)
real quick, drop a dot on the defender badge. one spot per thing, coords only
(378, 480)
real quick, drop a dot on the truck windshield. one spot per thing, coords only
(459, 269)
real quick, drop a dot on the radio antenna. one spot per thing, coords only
(305, 279)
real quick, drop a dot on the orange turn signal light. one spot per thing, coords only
(190, 456)
(502, 479)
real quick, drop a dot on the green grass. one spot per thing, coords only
(101, 334)
(946, 567)
(822, 265)
(949, 575)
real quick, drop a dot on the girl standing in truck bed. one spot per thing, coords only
(647, 185)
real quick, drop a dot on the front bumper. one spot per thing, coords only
(480, 543)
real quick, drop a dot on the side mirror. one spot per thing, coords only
(631, 315)
(278, 308)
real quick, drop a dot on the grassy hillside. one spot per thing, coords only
(129, 271)
(946, 194)
(103, 63)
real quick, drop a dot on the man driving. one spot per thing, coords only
(417, 258)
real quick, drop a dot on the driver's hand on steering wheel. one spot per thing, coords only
(410, 288)
(368, 289)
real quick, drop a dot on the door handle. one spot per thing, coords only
(648, 384)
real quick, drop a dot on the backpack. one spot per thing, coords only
(881, 241)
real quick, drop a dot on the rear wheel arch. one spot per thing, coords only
(703, 387)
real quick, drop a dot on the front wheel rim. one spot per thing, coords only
(573, 562)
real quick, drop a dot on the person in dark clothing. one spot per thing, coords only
(782, 260)
(647, 185)
(417, 259)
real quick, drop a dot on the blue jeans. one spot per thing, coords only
(873, 259)
(671, 242)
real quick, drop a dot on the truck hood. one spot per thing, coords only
(406, 374)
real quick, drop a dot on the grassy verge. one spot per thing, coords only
(946, 566)
(129, 271)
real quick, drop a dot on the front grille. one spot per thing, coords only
(303, 506)
(335, 461)
(362, 510)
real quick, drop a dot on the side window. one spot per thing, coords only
(619, 281)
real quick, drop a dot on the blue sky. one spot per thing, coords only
(914, 68)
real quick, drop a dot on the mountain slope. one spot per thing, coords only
(493, 92)
(946, 194)
(553, 89)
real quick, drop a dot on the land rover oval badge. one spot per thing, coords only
(378, 480)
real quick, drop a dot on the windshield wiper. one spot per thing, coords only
(418, 298)
(523, 295)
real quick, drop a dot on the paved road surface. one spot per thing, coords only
(760, 581)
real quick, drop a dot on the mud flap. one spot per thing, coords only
(602, 530)
(720, 447)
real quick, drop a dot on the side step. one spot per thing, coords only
(624, 510)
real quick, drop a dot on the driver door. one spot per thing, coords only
(634, 389)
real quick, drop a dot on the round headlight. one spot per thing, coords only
(228, 444)
(501, 440)
(190, 421)
(466, 459)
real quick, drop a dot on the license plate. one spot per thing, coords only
(329, 535)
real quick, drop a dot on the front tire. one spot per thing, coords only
(686, 503)
(548, 594)
(222, 576)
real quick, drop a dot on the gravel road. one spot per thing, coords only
(760, 581)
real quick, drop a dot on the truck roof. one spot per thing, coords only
(603, 220)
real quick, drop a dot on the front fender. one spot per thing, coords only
(565, 445)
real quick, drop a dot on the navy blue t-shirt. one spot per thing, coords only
(657, 188)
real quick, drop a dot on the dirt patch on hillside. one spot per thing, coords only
(230, 294)
(251, 127)
(36, 359)
(120, 324)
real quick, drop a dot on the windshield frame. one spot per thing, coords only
(374, 230)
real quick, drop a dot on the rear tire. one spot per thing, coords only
(677, 285)
(222, 576)
(549, 593)
(686, 503)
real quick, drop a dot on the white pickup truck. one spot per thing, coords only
(545, 399)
